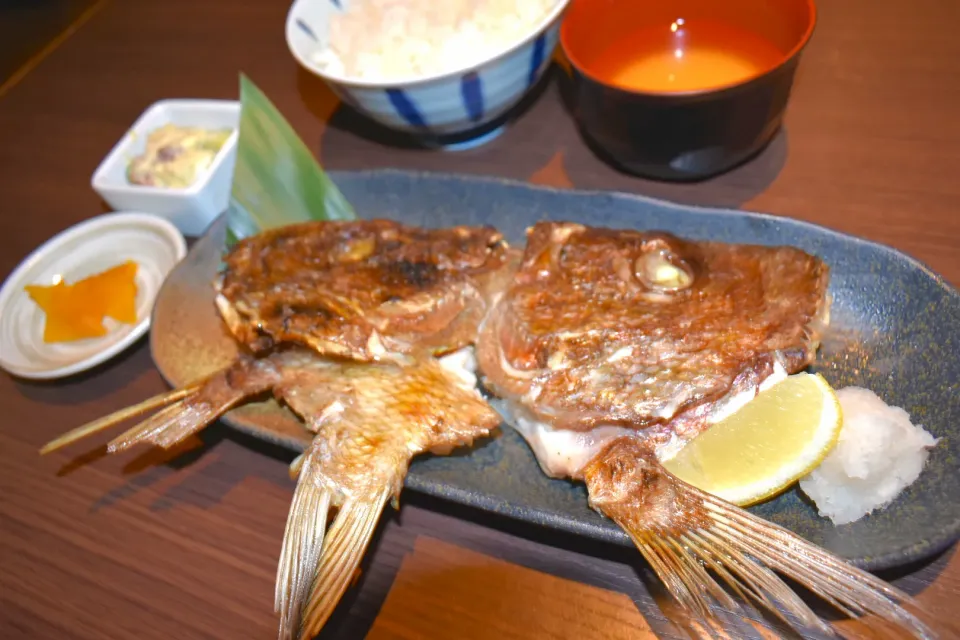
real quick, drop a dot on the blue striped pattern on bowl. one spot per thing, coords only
(440, 106)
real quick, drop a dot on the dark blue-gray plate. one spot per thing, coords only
(895, 329)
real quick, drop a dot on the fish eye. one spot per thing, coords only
(663, 271)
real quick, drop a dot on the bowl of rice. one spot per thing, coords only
(446, 73)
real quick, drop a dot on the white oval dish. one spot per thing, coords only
(78, 252)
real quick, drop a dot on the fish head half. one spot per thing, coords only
(363, 290)
(632, 329)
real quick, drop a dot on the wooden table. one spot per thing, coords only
(185, 547)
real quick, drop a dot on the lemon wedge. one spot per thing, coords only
(766, 445)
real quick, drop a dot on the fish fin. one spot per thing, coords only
(683, 532)
(346, 544)
(362, 460)
(302, 544)
(115, 418)
(184, 411)
(175, 423)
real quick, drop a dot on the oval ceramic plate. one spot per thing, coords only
(85, 249)
(895, 329)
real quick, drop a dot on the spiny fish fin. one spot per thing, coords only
(185, 411)
(115, 418)
(851, 590)
(682, 531)
(175, 423)
(347, 541)
(302, 545)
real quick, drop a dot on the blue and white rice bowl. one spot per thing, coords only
(460, 108)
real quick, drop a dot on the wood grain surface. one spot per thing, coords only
(184, 545)
(28, 28)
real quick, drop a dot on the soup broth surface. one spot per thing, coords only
(686, 56)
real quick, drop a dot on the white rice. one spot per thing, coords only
(879, 454)
(393, 39)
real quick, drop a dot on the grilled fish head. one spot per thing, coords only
(361, 289)
(632, 329)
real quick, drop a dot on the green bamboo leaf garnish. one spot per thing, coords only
(277, 180)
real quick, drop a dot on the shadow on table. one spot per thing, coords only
(350, 121)
(211, 476)
(104, 379)
(352, 141)
(911, 578)
(618, 571)
(542, 138)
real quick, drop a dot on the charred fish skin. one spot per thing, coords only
(632, 328)
(622, 344)
(361, 289)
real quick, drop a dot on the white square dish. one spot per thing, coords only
(190, 209)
